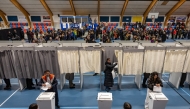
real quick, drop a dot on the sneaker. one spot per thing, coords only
(7, 88)
(144, 85)
(72, 87)
(181, 85)
(58, 106)
(95, 74)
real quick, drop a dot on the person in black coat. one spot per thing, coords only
(108, 81)
(10, 35)
(164, 37)
(22, 34)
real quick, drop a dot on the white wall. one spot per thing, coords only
(56, 20)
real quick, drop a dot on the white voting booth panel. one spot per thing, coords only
(104, 100)
(1, 82)
(174, 78)
(46, 100)
(187, 44)
(157, 101)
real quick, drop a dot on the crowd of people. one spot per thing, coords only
(138, 32)
(106, 34)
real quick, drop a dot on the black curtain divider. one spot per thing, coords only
(46, 60)
(7, 69)
(24, 61)
(4, 33)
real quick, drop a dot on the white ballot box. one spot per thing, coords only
(46, 100)
(104, 100)
(157, 100)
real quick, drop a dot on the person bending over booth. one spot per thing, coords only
(108, 81)
(50, 78)
(154, 80)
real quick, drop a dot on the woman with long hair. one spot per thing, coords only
(154, 80)
(108, 81)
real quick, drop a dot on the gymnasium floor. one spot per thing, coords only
(86, 99)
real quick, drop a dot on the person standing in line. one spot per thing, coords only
(108, 81)
(36, 33)
(50, 78)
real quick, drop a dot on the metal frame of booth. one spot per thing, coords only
(174, 78)
(155, 46)
(187, 44)
(7, 46)
(119, 75)
(89, 47)
(138, 78)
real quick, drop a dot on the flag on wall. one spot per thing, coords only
(46, 18)
(172, 19)
(181, 18)
(22, 19)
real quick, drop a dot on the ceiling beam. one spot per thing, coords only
(26, 14)
(72, 6)
(98, 11)
(148, 10)
(171, 11)
(2, 15)
(48, 10)
(123, 11)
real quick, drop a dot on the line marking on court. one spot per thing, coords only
(9, 97)
(185, 91)
(181, 88)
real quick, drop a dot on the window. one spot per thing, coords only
(36, 18)
(104, 18)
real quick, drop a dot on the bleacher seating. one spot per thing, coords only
(18, 24)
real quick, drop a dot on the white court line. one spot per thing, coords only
(9, 97)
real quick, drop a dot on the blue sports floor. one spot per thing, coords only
(87, 98)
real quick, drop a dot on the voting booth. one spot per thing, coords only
(104, 100)
(157, 100)
(46, 100)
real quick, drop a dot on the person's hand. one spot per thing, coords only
(44, 85)
(158, 85)
(49, 87)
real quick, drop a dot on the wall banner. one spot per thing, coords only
(22, 19)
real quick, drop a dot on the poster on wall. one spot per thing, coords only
(181, 19)
(136, 19)
(22, 19)
(172, 19)
(46, 18)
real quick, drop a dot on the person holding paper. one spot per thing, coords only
(108, 81)
(154, 80)
(50, 81)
